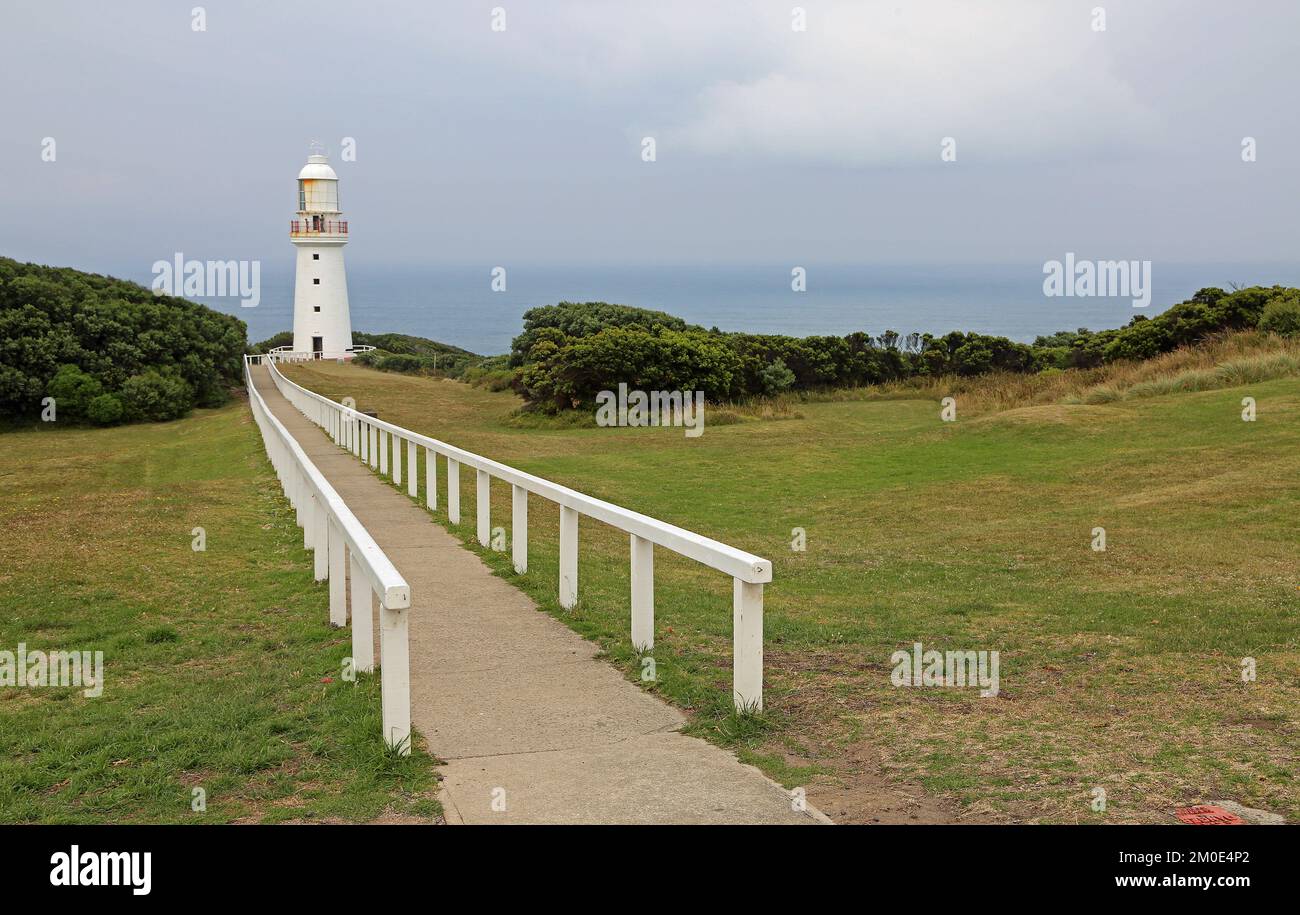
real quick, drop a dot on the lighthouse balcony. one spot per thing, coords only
(318, 228)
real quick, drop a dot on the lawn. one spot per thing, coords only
(1119, 670)
(222, 678)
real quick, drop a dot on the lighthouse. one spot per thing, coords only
(321, 323)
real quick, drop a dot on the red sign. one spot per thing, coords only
(1208, 815)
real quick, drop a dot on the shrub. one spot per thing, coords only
(156, 396)
(1282, 316)
(400, 362)
(73, 390)
(105, 410)
(110, 330)
(776, 377)
(658, 359)
(584, 319)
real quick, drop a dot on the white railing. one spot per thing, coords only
(289, 354)
(340, 543)
(369, 439)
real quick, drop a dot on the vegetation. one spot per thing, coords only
(571, 351)
(1282, 316)
(1119, 669)
(86, 339)
(410, 355)
(221, 671)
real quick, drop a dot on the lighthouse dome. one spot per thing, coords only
(317, 168)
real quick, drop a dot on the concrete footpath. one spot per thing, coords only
(517, 705)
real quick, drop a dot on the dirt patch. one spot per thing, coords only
(861, 794)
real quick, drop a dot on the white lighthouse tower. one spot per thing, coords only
(321, 323)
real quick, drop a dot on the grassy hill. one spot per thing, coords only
(1120, 669)
(221, 671)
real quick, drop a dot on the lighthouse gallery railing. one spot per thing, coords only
(369, 439)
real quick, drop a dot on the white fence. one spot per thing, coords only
(373, 440)
(341, 544)
(289, 354)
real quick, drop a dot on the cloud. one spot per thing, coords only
(884, 83)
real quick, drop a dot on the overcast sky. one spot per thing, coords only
(773, 145)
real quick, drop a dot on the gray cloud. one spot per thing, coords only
(481, 148)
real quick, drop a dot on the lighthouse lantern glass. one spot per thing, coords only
(318, 196)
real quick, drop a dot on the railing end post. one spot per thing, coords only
(747, 646)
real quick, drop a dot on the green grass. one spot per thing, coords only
(215, 662)
(1119, 669)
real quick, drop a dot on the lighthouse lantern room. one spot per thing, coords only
(321, 323)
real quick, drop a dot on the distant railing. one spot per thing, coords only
(289, 354)
(321, 227)
(340, 543)
(368, 438)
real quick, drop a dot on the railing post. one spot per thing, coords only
(373, 444)
(395, 670)
(363, 439)
(568, 557)
(338, 577)
(643, 593)
(747, 647)
(483, 510)
(320, 540)
(308, 510)
(397, 461)
(303, 507)
(363, 641)
(412, 471)
(519, 528)
(453, 491)
(431, 473)
(383, 452)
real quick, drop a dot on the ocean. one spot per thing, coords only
(457, 305)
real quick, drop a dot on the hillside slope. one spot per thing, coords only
(1120, 669)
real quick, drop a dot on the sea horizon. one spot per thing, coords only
(457, 305)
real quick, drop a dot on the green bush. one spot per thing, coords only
(105, 410)
(1282, 316)
(156, 396)
(659, 359)
(73, 390)
(776, 377)
(571, 351)
(401, 362)
(584, 319)
(110, 330)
